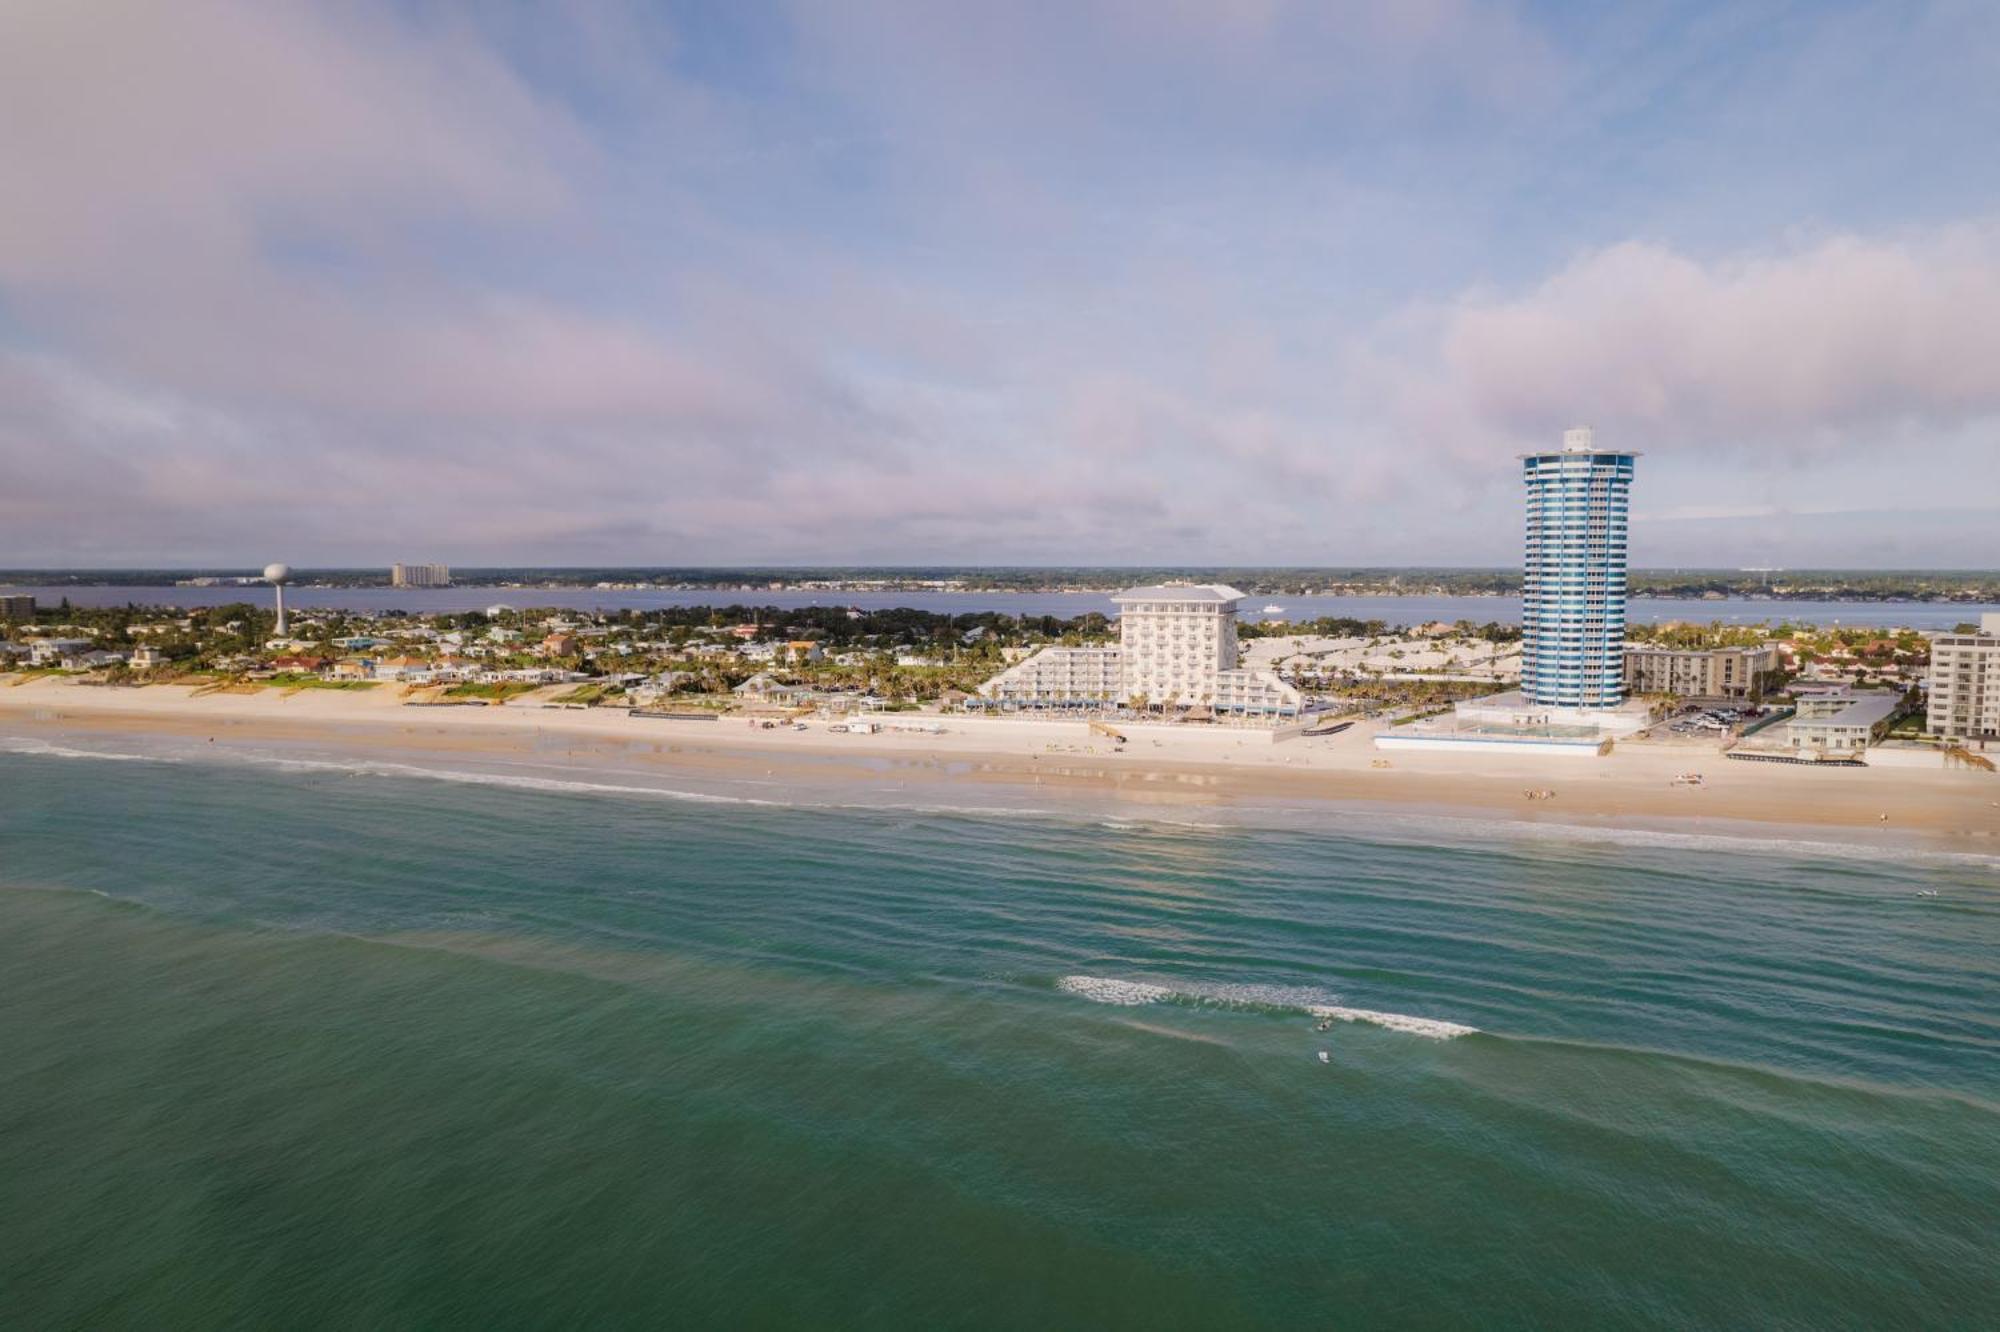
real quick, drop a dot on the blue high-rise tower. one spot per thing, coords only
(1573, 579)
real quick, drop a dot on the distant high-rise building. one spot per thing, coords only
(420, 575)
(14, 609)
(1573, 576)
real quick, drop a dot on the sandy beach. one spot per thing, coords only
(1159, 765)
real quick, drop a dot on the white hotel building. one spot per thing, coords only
(1176, 649)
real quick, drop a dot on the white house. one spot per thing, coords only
(51, 651)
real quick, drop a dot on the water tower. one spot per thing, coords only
(277, 575)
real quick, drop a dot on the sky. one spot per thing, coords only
(917, 282)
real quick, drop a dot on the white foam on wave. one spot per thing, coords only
(364, 767)
(920, 807)
(1435, 1028)
(45, 749)
(1124, 993)
(1303, 1001)
(473, 777)
(1149, 823)
(378, 768)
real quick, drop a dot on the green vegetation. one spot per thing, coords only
(901, 657)
(1390, 692)
(1420, 716)
(695, 702)
(589, 694)
(1713, 635)
(292, 680)
(498, 692)
(1909, 726)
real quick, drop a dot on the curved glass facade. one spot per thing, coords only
(1573, 576)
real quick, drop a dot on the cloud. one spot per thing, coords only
(155, 131)
(243, 203)
(1249, 280)
(1826, 346)
(264, 253)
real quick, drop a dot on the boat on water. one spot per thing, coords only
(1272, 610)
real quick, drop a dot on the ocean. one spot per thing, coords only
(325, 1045)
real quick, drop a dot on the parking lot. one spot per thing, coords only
(1698, 720)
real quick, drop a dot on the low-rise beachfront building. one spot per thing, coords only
(92, 661)
(410, 670)
(656, 689)
(145, 657)
(1964, 699)
(1177, 649)
(1061, 677)
(1842, 723)
(1727, 672)
(769, 690)
(51, 651)
(300, 662)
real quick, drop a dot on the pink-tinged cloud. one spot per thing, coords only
(1820, 347)
(155, 132)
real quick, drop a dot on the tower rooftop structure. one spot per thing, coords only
(1181, 592)
(1576, 440)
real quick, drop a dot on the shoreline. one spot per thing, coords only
(1007, 761)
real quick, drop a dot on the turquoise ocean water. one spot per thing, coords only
(303, 1045)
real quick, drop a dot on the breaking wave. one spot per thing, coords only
(470, 777)
(1276, 999)
(44, 749)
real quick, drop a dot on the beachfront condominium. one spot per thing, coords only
(14, 609)
(1176, 650)
(1964, 701)
(1573, 576)
(1722, 672)
(420, 575)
